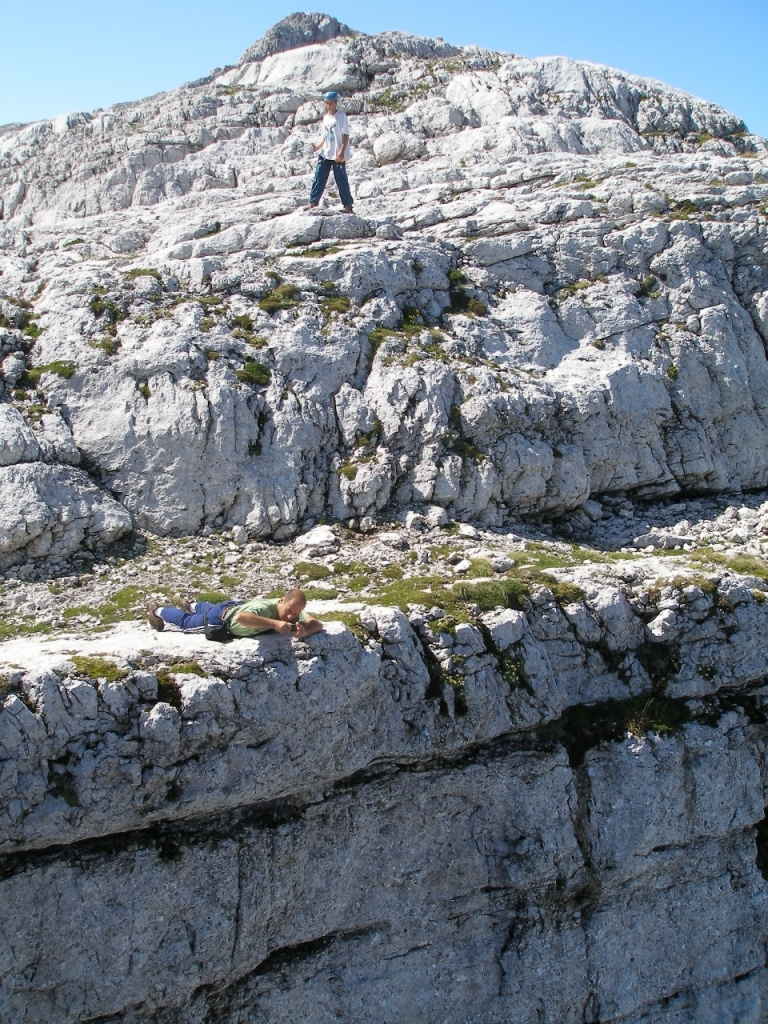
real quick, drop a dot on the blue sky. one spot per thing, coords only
(65, 55)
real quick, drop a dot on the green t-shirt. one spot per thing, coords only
(261, 606)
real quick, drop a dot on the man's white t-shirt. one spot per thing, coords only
(334, 127)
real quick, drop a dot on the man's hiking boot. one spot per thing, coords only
(186, 604)
(348, 209)
(310, 206)
(154, 619)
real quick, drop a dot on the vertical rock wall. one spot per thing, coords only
(307, 834)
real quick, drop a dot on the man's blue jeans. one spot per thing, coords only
(322, 171)
(192, 622)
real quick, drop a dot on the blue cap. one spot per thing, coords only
(332, 96)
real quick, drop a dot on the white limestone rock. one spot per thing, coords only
(54, 511)
(58, 435)
(17, 440)
(294, 31)
(319, 541)
(623, 629)
(128, 241)
(506, 627)
(160, 730)
(394, 146)
(615, 347)
(656, 822)
(14, 366)
(665, 627)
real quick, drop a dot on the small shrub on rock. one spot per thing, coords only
(335, 304)
(255, 373)
(108, 345)
(283, 296)
(243, 322)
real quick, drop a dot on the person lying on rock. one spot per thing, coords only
(334, 150)
(285, 615)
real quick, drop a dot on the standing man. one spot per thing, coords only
(334, 150)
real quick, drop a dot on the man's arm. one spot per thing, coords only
(252, 621)
(340, 155)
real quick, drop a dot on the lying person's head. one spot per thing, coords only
(291, 605)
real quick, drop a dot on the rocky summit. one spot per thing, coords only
(506, 424)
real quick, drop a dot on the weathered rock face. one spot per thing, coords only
(554, 289)
(329, 830)
(554, 286)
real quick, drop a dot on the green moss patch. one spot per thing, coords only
(356, 575)
(131, 275)
(168, 689)
(490, 594)
(61, 367)
(320, 593)
(336, 304)
(744, 565)
(108, 345)
(351, 620)
(683, 209)
(26, 627)
(98, 668)
(455, 600)
(214, 596)
(101, 307)
(188, 668)
(121, 606)
(311, 571)
(648, 289)
(61, 784)
(7, 687)
(243, 322)
(317, 252)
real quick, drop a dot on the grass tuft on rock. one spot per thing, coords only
(63, 368)
(243, 322)
(109, 345)
(320, 593)
(584, 727)
(352, 621)
(168, 689)
(283, 296)
(311, 571)
(336, 304)
(131, 275)
(188, 668)
(98, 668)
(744, 565)
(254, 373)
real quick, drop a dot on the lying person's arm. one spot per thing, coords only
(253, 621)
(298, 629)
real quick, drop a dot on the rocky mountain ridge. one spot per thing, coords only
(519, 317)
(506, 426)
